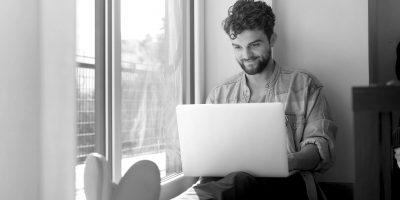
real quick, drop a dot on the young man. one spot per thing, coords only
(310, 129)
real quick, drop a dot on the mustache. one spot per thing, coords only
(249, 59)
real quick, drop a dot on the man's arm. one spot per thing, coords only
(319, 132)
(305, 159)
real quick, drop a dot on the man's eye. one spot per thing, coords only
(255, 45)
(237, 47)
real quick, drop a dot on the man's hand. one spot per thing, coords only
(291, 162)
(307, 158)
(397, 156)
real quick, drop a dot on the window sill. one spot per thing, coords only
(175, 185)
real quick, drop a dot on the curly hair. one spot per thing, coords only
(249, 15)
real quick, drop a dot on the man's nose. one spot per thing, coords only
(247, 54)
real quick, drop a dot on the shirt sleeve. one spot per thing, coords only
(320, 129)
(211, 97)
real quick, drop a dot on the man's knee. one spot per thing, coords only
(240, 177)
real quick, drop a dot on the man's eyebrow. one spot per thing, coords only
(233, 44)
(255, 41)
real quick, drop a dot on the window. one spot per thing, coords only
(151, 82)
(127, 92)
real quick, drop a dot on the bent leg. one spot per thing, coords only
(236, 185)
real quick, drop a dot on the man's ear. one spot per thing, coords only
(272, 40)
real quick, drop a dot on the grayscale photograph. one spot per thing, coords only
(199, 100)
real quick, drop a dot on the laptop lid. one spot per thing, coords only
(217, 139)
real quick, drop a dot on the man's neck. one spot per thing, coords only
(258, 81)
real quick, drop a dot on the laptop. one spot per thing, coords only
(217, 139)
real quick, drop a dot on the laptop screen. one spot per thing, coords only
(217, 139)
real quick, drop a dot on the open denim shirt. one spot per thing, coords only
(308, 120)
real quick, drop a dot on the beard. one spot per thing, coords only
(260, 63)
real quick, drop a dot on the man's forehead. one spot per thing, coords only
(249, 36)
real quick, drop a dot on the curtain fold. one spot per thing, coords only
(175, 65)
(151, 88)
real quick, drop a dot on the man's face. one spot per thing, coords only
(252, 50)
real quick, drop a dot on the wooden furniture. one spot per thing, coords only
(376, 113)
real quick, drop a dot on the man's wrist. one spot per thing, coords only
(292, 161)
(305, 159)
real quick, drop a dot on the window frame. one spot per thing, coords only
(108, 56)
(100, 81)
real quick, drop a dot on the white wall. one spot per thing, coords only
(37, 99)
(329, 39)
(19, 100)
(57, 64)
(218, 54)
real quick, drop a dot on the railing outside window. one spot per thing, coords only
(137, 87)
(85, 110)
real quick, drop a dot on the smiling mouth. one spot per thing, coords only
(250, 60)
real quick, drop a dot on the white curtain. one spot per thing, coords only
(174, 90)
(151, 89)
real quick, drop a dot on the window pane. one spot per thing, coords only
(85, 88)
(151, 73)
